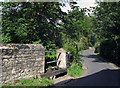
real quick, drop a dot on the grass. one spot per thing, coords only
(30, 82)
(75, 70)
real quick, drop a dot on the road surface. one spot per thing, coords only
(99, 73)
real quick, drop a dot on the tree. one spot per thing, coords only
(107, 16)
(107, 24)
(31, 22)
(77, 31)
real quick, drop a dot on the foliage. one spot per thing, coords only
(77, 31)
(108, 20)
(39, 22)
(31, 22)
(50, 56)
(108, 33)
(31, 82)
(110, 49)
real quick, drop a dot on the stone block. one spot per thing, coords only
(61, 57)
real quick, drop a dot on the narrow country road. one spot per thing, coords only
(99, 73)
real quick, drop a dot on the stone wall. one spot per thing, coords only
(19, 61)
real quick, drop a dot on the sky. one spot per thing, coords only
(81, 4)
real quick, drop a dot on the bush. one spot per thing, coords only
(110, 49)
(107, 48)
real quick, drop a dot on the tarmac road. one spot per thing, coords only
(99, 73)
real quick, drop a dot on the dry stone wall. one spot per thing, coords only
(19, 61)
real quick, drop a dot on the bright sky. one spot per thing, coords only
(82, 4)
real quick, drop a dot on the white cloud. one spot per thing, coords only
(66, 8)
(82, 4)
(87, 4)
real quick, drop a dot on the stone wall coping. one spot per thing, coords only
(6, 47)
(13, 46)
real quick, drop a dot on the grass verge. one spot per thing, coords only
(41, 82)
(75, 70)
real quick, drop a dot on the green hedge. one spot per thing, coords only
(110, 49)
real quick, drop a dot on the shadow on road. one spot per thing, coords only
(96, 58)
(102, 78)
